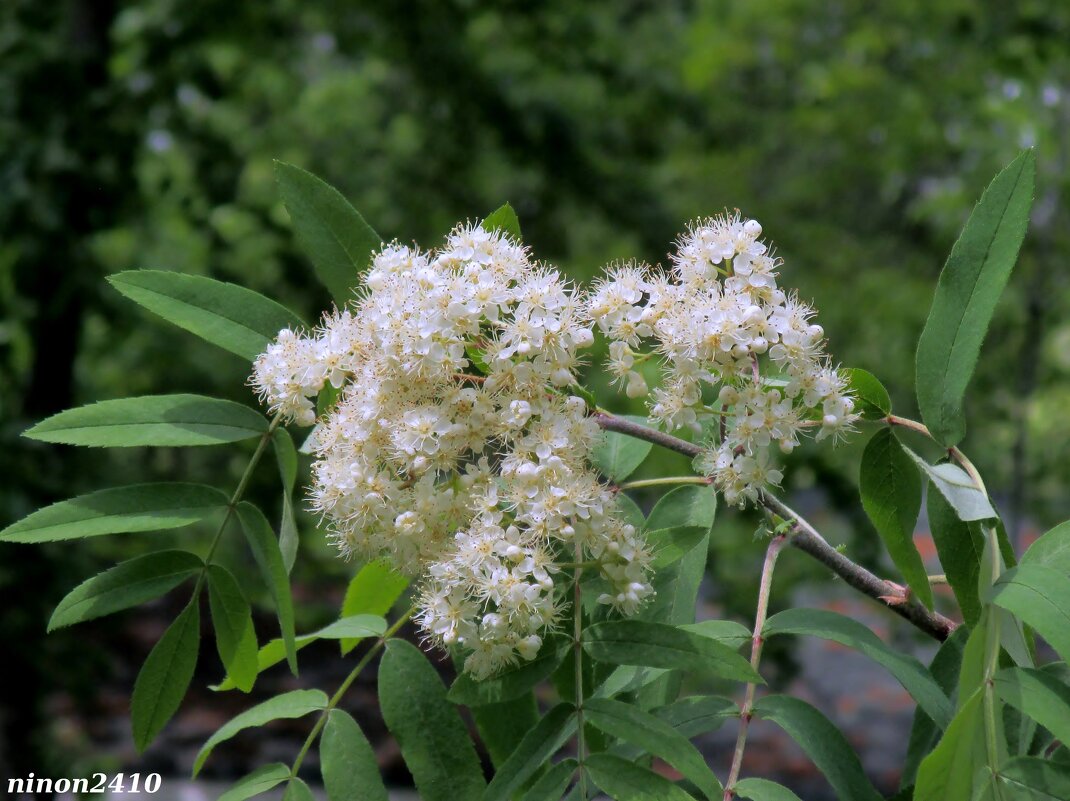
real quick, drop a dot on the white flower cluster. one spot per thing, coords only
(740, 355)
(452, 450)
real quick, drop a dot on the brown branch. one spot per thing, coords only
(807, 539)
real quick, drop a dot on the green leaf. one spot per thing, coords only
(1051, 550)
(286, 456)
(552, 785)
(957, 488)
(873, 400)
(627, 781)
(158, 420)
(689, 505)
(1039, 695)
(822, 742)
(259, 781)
(948, 772)
(230, 316)
(1033, 779)
(372, 591)
(232, 620)
(503, 219)
(297, 790)
(510, 683)
(638, 642)
(163, 679)
(726, 632)
(763, 790)
(331, 232)
(959, 546)
(837, 628)
(502, 726)
(1040, 596)
(654, 736)
(534, 751)
(924, 734)
(294, 704)
(127, 584)
(966, 295)
(347, 761)
(891, 495)
(697, 714)
(428, 728)
(268, 557)
(119, 510)
(670, 545)
(617, 455)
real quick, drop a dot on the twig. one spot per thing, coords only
(806, 538)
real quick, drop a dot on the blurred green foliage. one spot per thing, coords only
(142, 134)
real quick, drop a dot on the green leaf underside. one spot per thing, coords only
(352, 629)
(286, 456)
(891, 496)
(637, 642)
(656, 737)
(957, 488)
(265, 548)
(948, 772)
(822, 742)
(763, 790)
(835, 627)
(510, 683)
(372, 591)
(533, 751)
(232, 317)
(162, 681)
(428, 728)
(233, 623)
(333, 235)
(294, 704)
(347, 762)
(152, 420)
(959, 546)
(127, 584)
(969, 288)
(627, 781)
(1039, 695)
(259, 781)
(503, 219)
(1040, 596)
(874, 402)
(617, 456)
(697, 714)
(119, 510)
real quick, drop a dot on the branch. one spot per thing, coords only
(806, 538)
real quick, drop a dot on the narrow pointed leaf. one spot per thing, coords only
(373, 591)
(822, 742)
(654, 736)
(347, 761)
(959, 546)
(1052, 549)
(512, 682)
(948, 772)
(969, 288)
(119, 510)
(503, 219)
(552, 784)
(294, 704)
(265, 548)
(259, 781)
(433, 739)
(334, 236)
(637, 642)
(844, 630)
(127, 584)
(1040, 695)
(698, 714)
(958, 489)
(233, 623)
(286, 456)
(533, 751)
(891, 495)
(1040, 596)
(763, 790)
(229, 316)
(156, 420)
(161, 684)
(627, 781)
(1034, 779)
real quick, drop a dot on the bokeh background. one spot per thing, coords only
(142, 134)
